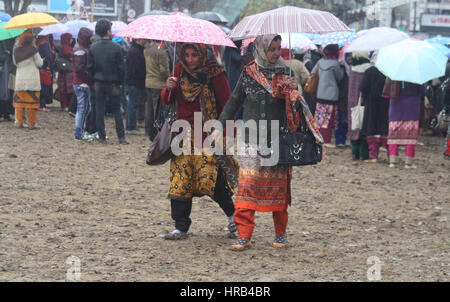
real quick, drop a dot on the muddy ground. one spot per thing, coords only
(102, 204)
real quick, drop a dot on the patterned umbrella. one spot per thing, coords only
(287, 19)
(340, 38)
(298, 41)
(176, 28)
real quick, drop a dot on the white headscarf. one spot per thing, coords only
(262, 44)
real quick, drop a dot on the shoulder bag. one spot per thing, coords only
(160, 149)
(312, 83)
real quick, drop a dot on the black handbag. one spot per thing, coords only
(63, 65)
(298, 148)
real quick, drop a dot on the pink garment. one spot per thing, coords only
(327, 130)
(374, 145)
(410, 150)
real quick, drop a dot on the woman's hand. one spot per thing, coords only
(171, 82)
(292, 83)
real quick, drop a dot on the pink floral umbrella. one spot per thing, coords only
(176, 28)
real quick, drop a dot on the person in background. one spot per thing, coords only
(106, 69)
(157, 67)
(299, 70)
(340, 134)
(330, 74)
(359, 64)
(233, 59)
(81, 82)
(376, 110)
(134, 82)
(404, 116)
(46, 72)
(5, 60)
(65, 80)
(28, 84)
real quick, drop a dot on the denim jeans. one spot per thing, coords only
(83, 107)
(133, 95)
(341, 133)
(108, 91)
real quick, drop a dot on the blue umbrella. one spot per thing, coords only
(442, 48)
(340, 38)
(439, 40)
(411, 61)
(4, 17)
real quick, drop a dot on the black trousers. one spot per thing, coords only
(181, 209)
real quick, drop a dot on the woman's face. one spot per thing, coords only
(192, 58)
(274, 52)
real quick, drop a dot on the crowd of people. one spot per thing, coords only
(141, 80)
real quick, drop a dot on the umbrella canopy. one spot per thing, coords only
(339, 38)
(4, 17)
(176, 28)
(298, 41)
(411, 61)
(74, 27)
(116, 27)
(54, 29)
(6, 34)
(376, 39)
(439, 40)
(287, 19)
(30, 20)
(154, 12)
(211, 17)
(442, 49)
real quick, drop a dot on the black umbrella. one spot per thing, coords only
(211, 16)
(154, 12)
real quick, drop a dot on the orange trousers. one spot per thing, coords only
(245, 222)
(32, 116)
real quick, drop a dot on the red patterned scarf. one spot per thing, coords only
(279, 89)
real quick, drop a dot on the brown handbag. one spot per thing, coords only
(160, 149)
(312, 83)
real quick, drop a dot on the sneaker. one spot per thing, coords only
(176, 235)
(35, 127)
(280, 241)
(72, 114)
(340, 146)
(102, 141)
(135, 132)
(241, 244)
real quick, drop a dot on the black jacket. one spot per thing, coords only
(105, 62)
(135, 70)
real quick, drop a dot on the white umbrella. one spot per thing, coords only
(376, 39)
(53, 29)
